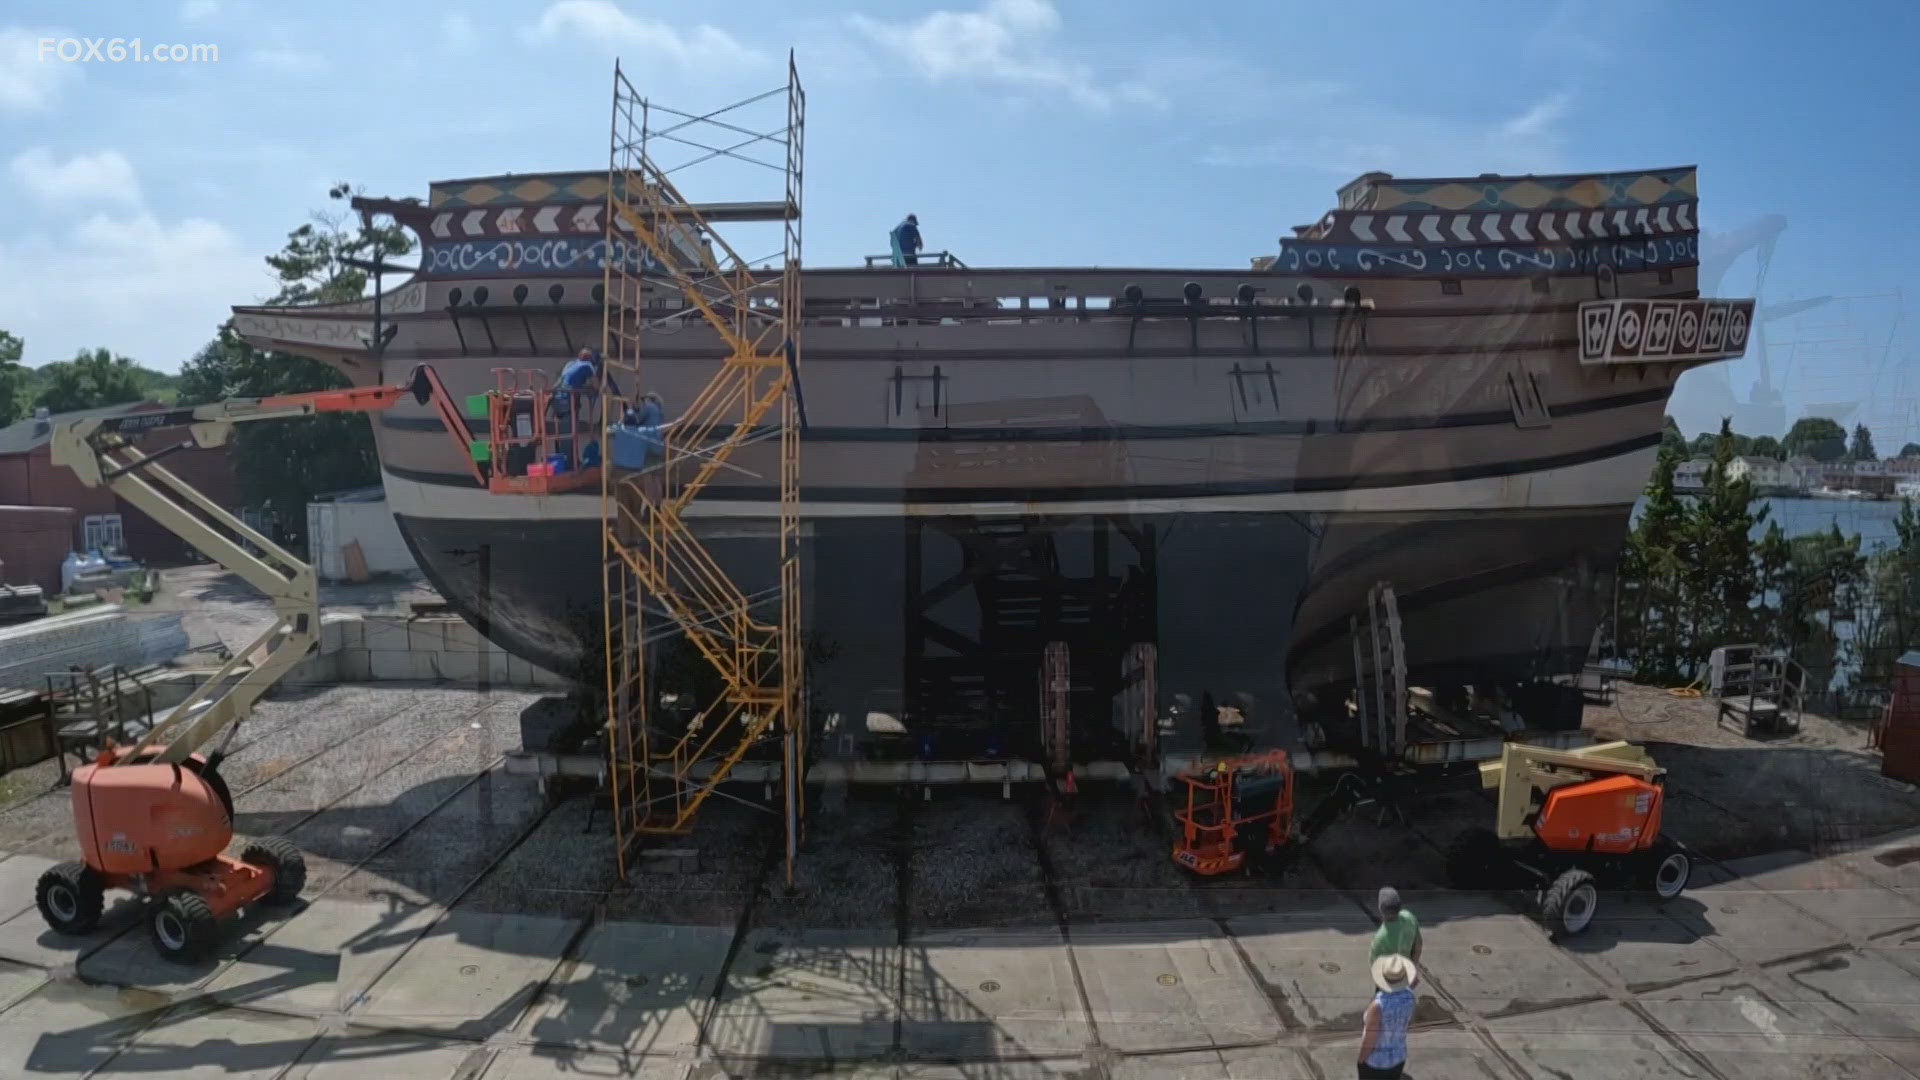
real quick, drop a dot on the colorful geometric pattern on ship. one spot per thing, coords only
(1485, 260)
(533, 188)
(1503, 227)
(1575, 191)
(559, 255)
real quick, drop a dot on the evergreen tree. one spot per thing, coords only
(1651, 565)
(1719, 567)
(1862, 448)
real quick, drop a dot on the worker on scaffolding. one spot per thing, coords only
(576, 397)
(906, 242)
(639, 442)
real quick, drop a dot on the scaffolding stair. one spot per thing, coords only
(663, 772)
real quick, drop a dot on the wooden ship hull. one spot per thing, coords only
(1220, 462)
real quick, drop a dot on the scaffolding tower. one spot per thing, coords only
(668, 269)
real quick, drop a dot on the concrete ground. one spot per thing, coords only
(459, 927)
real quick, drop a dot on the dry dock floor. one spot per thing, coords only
(459, 927)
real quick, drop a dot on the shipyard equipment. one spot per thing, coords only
(156, 817)
(1567, 822)
(1239, 812)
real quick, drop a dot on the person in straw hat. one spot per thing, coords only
(1383, 1038)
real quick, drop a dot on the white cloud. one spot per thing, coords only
(289, 61)
(604, 24)
(27, 81)
(1538, 122)
(196, 10)
(1351, 136)
(153, 291)
(1006, 42)
(456, 31)
(103, 177)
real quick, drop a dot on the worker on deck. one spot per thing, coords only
(1399, 933)
(906, 242)
(1383, 1026)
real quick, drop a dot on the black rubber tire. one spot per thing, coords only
(1569, 903)
(70, 897)
(289, 867)
(182, 926)
(1475, 860)
(1665, 869)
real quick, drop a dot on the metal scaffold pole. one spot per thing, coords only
(669, 270)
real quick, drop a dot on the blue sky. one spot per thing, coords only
(137, 200)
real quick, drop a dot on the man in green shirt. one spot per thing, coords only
(1399, 933)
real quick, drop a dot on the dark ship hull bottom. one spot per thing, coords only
(942, 622)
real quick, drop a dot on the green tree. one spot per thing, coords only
(93, 378)
(1671, 439)
(281, 465)
(1651, 578)
(1862, 448)
(1718, 569)
(1768, 447)
(1817, 437)
(12, 377)
(1910, 450)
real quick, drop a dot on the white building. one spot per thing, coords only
(1691, 474)
(1764, 473)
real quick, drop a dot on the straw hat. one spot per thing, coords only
(1394, 972)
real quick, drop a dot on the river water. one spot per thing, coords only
(1873, 521)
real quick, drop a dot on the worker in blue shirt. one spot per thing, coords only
(575, 393)
(906, 242)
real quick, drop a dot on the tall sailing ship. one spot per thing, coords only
(1454, 387)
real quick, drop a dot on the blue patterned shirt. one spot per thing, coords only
(1396, 1012)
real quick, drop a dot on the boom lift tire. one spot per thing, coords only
(70, 897)
(182, 926)
(1666, 869)
(289, 868)
(1569, 903)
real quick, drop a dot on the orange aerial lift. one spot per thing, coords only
(156, 817)
(1568, 820)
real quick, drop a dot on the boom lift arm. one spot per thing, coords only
(102, 453)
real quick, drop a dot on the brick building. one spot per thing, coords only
(29, 478)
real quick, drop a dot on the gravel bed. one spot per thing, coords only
(974, 864)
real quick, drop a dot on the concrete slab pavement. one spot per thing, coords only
(214, 1044)
(1432, 1054)
(1171, 985)
(362, 1054)
(1312, 962)
(562, 1063)
(991, 993)
(1601, 1040)
(1756, 1026)
(68, 1028)
(1239, 1063)
(636, 987)
(1858, 905)
(813, 995)
(1643, 945)
(324, 957)
(471, 975)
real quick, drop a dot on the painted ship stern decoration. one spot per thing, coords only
(1663, 331)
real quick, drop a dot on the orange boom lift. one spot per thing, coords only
(156, 817)
(1568, 821)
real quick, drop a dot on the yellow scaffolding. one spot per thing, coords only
(668, 268)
